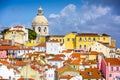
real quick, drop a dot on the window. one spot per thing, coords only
(98, 38)
(39, 29)
(45, 29)
(110, 75)
(89, 39)
(117, 69)
(73, 39)
(68, 39)
(93, 39)
(104, 38)
(80, 39)
(80, 46)
(74, 66)
(60, 40)
(84, 46)
(111, 68)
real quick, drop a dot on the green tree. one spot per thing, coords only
(31, 34)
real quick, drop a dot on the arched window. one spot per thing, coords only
(39, 29)
(45, 29)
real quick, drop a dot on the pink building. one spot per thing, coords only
(3, 54)
(110, 68)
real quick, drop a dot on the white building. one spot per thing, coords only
(50, 73)
(6, 73)
(40, 47)
(52, 47)
(102, 47)
(40, 24)
(56, 61)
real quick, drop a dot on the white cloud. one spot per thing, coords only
(88, 18)
(54, 16)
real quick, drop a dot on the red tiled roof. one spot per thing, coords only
(75, 55)
(95, 53)
(112, 61)
(66, 51)
(59, 55)
(87, 34)
(91, 73)
(4, 62)
(111, 47)
(105, 34)
(53, 41)
(35, 68)
(76, 61)
(103, 42)
(41, 45)
(66, 77)
(20, 63)
(56, 59)
(14, 48)
(15, 30)
(25, 78)
(61, 69)
(18, 26)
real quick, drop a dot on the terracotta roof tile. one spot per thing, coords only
(4, 62)
(95, 53)
(20, 63)
(41, 45)
(18, 26)
(35, 68)
(56, 59)
(59, 55)
(75, 55)
(103, 42)
(91, 73)
(15, 30)
(53, 41)
(61, 69)
(66, 51)
(76, 62)
(68, 77)
(24, 79)
(112, 61)
(87, 34)
(111, 47)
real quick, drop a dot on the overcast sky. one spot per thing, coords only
(64, 16)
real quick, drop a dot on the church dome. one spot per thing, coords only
(40, 19)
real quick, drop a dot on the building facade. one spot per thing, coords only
(17, 34)
(40, 24)
(110, 68)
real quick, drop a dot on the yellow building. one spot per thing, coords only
(70, 40)
(82, 40)
(59, 38)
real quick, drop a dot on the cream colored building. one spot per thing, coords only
(40, 24)
(17, 34)
(102, 47)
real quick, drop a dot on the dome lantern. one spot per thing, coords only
(40, 11)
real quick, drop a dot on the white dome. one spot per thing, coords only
(40, 19)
